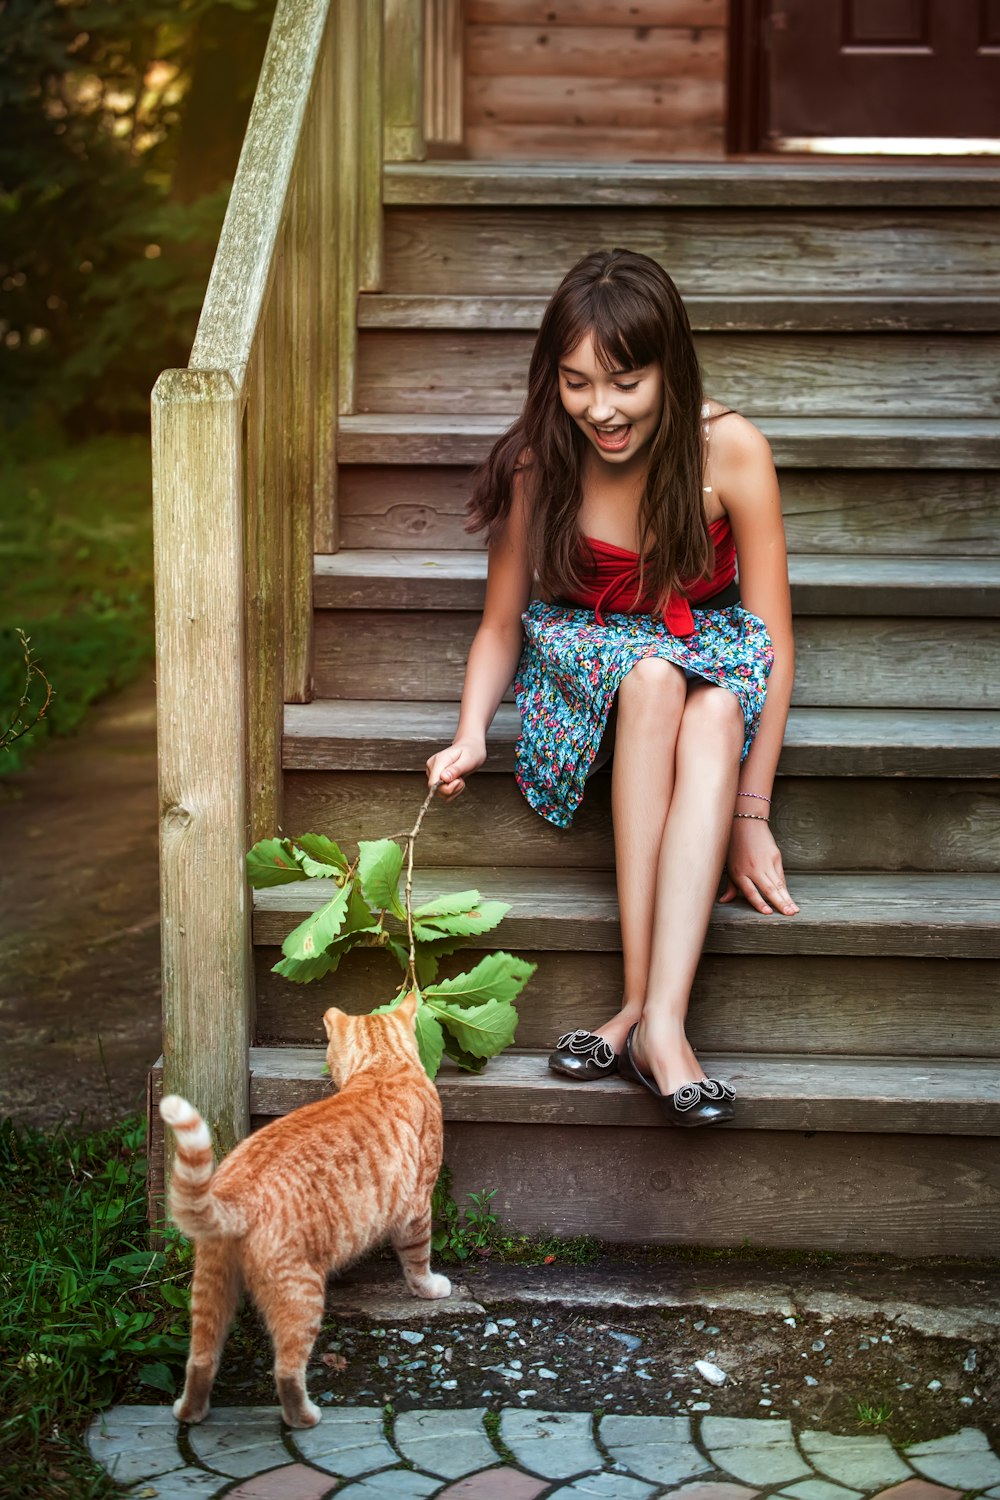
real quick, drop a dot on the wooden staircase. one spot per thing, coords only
(853, 314)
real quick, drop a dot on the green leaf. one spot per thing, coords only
(159, 1377)
(273, 862)
(320, 854)
(379, 864)
(481, 918)
(440, 947)
(483, 1030)
(444, 906)
(429, 1040)
(305, 970)
(360, 917)
(400, 952)
(313, 936)
(461, 1058)
(426, 965)
(498, 976)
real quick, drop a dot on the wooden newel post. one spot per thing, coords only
(200, 652)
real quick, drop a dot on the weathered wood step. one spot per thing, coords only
(942, 915)
(333, 735)
(883, 512)
(820, 823)
(803, 442)
(772, 185)
(820, 1005)
(911, 1096)
(403, 579)
(710, 252)
(764, 312)
(841, 661)
(793, 374)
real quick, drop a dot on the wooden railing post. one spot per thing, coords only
(200, 666)
(403, 75)
(444, 112)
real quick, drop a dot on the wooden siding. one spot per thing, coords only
(594, 81)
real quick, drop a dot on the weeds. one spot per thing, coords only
(87, 1311)
(475, 1232)
(870, 1415)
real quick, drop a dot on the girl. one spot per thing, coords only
(631, 498)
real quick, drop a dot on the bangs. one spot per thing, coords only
(622, 321)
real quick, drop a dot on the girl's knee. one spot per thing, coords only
(713, 711)
(652, 680)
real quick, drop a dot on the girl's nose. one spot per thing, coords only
(600, 411)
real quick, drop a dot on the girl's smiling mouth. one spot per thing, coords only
(612, 439)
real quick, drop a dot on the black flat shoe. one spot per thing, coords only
(583, 1056)
(709, 1102)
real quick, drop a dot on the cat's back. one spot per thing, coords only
(384, 1124)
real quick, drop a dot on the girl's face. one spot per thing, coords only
(618, 411)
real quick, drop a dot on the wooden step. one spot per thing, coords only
(913, 915)
(817, 1004)
(403, 580)
(884, 512)
(766, 312)
(840, 661)
(333, 735)
(771, 185)
(823, 374)
(911, 1096)
(820, 823)
(797, 442)
(481, 250)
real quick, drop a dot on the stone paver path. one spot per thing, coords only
(360, 1453)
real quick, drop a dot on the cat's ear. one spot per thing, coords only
(407, 1008)
(332, 1018)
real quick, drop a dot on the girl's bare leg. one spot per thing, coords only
(691, 856)
(651, 701)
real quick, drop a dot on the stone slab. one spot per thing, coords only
(555, 1444)
(918, 1489)
(964, 1458)
(293, 1482)
(240, 1440)
(391, 1484)
(655, 1448)
(135, 1442)
(761, 1452)
(604, 1487)
(712, 1491)
(496, 1484)
(451, 1443)
(349, 1441)
(860, 1461)
(181, 1484)
(819, 1489)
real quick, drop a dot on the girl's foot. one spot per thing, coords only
(664, 1053)
(617, 1029)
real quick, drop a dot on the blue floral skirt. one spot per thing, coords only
(571, 668)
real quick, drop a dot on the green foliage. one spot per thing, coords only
(471, 1017)
(88, 1312)
(872, 1414)
(457, 1234)
(77, 561)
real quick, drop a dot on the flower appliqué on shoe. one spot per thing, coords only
(587, 1044)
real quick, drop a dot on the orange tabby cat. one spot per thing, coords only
(306, 1195)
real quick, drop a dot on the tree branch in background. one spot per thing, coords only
(19, 726)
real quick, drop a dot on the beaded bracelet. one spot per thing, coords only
(759, 796)
(752, 817)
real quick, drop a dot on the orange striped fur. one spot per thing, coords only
(307, 1195)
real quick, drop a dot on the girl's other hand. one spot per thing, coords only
(448, 767)
(754, 869)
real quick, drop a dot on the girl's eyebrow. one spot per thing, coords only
(568, 370)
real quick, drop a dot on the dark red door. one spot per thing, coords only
(913, 71)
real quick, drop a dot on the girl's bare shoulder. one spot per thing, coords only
(734, 440)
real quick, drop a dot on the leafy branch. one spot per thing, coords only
(471, 1017)
(19, 726)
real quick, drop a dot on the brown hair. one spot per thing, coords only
(636, 317)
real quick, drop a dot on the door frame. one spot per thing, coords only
(747, 87)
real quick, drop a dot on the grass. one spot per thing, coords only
(88, 1314)
(76, 556)
(474, 1233)
(870, 1415)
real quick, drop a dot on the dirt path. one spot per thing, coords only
(79, 921)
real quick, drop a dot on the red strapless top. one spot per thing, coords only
(611, 577)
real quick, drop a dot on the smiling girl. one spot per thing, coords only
(633, 501)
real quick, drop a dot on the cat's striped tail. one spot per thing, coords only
(194, 1207)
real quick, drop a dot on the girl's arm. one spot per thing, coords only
(494, 654)
(748, 487)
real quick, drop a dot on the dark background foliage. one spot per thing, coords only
(120, 128)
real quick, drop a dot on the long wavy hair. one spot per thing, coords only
(633, 311)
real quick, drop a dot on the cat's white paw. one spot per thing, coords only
(187, 1413)
(432, 1286)
(308, 1415)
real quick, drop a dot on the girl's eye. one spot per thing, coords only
(570, 386)
(631, 387)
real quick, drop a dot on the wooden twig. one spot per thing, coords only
(408, 888)
(12, 733)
